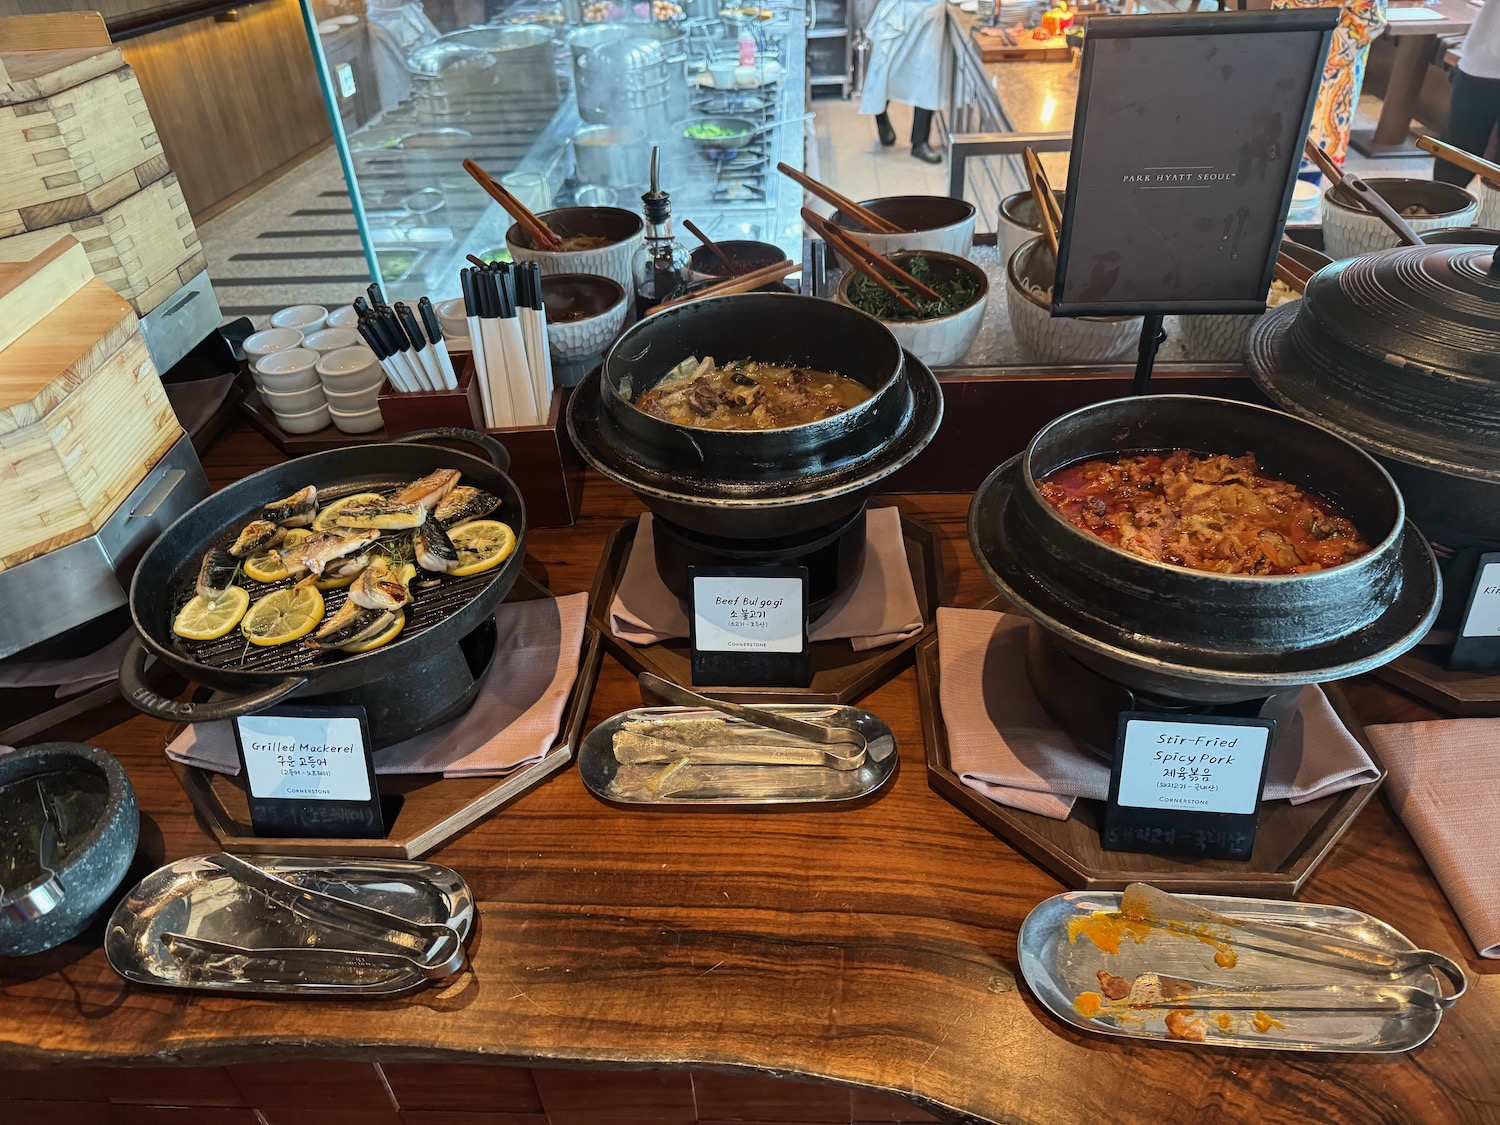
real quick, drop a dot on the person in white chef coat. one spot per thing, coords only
(907, 63)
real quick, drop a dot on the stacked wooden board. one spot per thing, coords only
(82, 158)
(83, 417)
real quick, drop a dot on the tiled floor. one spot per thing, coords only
(851, 158)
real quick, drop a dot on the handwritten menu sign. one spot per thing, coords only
(309, 771)
(1186, 785)
(1478, 643)
(749, 626)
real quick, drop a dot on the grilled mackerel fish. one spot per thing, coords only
(383, 585)
(327, 546)
(352, 625)
(433, 549)
(297, 510)
(257, 535)
(430, 490)
(463, 504)
(384, 515)
(217, 573)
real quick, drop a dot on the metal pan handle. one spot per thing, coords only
(496, 452)
(134, 688)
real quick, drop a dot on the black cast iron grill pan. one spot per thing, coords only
(255, 677)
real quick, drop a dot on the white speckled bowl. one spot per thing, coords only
(601, 297)
(1218, 338)
(1019, 222)
(1045, 338)
(1349, 231)
(927, 222)
(1488, 195)
(942, 340)
(614, 261)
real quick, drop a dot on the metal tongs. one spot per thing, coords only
(1157, 990)
(841, 748)
(1148, 904)
(293, 964)
(432, 949)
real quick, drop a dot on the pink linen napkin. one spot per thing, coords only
(72, 676)
(515, 718)
(1002, 743)
(1444, 783)
(879, 608)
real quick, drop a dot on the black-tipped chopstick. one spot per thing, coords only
(434, 329)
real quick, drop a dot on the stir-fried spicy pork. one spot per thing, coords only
(747, 395)
(1206, 512)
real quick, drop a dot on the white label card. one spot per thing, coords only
(304, 758)
(1194, 767)
(748, 614)
(1483, 619)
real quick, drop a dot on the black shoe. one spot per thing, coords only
(926, 153)
(886, 129)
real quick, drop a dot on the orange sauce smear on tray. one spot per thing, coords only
(1105, 929)
(1264, 1023)
(1209, 512)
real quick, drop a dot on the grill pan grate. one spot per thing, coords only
(434, 599)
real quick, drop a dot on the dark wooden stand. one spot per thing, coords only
(1464, 695)
(840, 675)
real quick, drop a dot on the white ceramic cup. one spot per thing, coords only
(451, 317)
(331, 340)
(350, 369)
(270, 340)
(353, 401)
(361, 423)
(345, 317)
(292, 370)
(294, 402)
(304, 318)
(305, 422)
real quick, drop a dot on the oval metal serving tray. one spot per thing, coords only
(1057, 970)
(609, 780)
(195, 897)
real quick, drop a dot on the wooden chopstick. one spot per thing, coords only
(1466, 160)
(1287, 277)
(839, 239)
(542, 236)
(1046, 181)
(1040, 196)
(714, 247)
(742, 284)
(847, 207)
(853, 248)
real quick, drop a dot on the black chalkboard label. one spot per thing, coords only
(1477, 646)
(749, 626)
(1186, 784)
(308, 771)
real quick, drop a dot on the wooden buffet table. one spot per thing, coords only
(870, 947)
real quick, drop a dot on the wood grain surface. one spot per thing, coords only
(873, 947)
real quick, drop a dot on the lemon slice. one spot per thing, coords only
(482, 544)
(203, 620)
(283, 616)
(329, 515)
(336, 583)
(268, 566)
(384, 638)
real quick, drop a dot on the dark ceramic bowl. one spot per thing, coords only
(1182, 633)
(91, 806)
(746, 255)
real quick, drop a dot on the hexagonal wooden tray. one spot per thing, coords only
(434, 809)
(1290, 841)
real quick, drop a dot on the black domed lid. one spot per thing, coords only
(1399, 349)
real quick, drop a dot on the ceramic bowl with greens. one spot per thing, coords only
(938, 332)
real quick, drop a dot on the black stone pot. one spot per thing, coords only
(761, 484)
(435, 624)
(1399, 351)
(1184, 634)
(91, 805)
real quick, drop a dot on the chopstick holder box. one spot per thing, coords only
(545, 466)
(404, 411)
